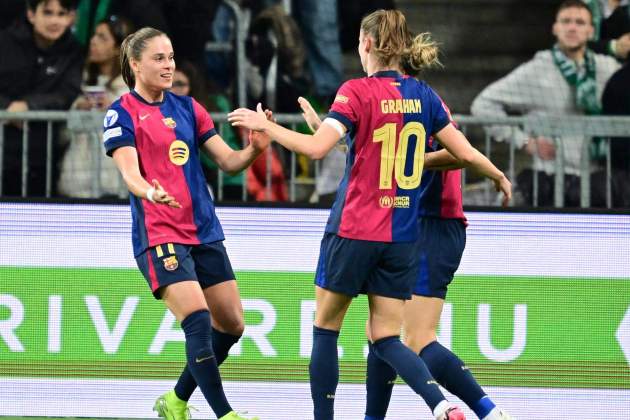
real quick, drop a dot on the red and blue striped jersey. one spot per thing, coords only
(167, 136)
(441, 191)
(389, 118)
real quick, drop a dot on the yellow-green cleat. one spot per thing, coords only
(172, 408)
(232, 415)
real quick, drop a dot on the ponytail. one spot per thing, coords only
(395, 45)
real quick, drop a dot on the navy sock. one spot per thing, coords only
(410, 367)
(324, 372)
(379, 384)
(221, 344)
(202, 361)
(452, 374)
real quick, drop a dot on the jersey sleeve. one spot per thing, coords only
(440, 113)
(346, 106)
(203, 121)
(118, 129)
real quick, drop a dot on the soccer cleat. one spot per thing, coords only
(172, 408)
(453, 413)
(232, 415)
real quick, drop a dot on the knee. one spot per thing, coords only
(417, 340)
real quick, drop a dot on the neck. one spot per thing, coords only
(41, 42)
(148, 94)
(375, 68)
(575, 54)
(106, 68)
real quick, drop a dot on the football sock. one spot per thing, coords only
(452, 374)
(379, 384)
(410, 367)
(221, 344)
(324, 372)
(202, 361)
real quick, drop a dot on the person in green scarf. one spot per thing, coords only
(567, 79)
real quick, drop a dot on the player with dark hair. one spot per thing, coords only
(154, 137)
(369, 244)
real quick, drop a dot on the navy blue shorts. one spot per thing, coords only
(171, 263)
(441, 245)
(352, 266)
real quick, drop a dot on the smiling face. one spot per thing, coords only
(154, 70)
(573, 28)
(50, 21)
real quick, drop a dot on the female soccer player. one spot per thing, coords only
(369, 245)
(154, 137)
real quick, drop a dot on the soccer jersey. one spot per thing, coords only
(441, 191)
(167, 136)
(389, 118)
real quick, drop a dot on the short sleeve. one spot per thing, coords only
(118, 129)
(440, 113)
(205, 126)
(346, 106)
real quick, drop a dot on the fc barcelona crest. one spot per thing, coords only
(169, 122)
(170, 263)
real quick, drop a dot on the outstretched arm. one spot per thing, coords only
(314, 147)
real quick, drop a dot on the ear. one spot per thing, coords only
(30, 15)
(368, 44)
(554, 29)
(135, 66)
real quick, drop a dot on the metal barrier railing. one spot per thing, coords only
(553, 127)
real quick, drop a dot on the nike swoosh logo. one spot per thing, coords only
(144, 117)
(203, 359)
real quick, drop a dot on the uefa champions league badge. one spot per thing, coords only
(110, 118)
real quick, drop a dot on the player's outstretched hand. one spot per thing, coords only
(504, 186)
(243, 117)
(162, 197)
(309, 114)
(258, 139)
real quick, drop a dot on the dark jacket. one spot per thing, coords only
(45, 79)
(616, 101)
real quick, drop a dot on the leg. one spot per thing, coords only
(187, 302)
(384, 324)
(324, 366)
(226, 312)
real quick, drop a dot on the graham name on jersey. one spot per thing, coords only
(401, 106)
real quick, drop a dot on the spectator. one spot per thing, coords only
(102, 84)
(40, 70)
(616, 101)
(612, 33)
(568, 79)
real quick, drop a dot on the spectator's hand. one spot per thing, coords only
(83, 103)
(243, 117)
(504, 186)
(309, 114)
(542, 147)
(258, 139)
(622, 46)
(17, 106)
(162, 197)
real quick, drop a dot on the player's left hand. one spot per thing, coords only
(259, 139)
(243, 117)
(504, 186)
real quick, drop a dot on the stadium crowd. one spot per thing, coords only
(63, 55)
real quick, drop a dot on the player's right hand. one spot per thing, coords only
(162, 197)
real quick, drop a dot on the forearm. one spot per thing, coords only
(300, 143)
(238, 160)
(441, 160)
(483, 165)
